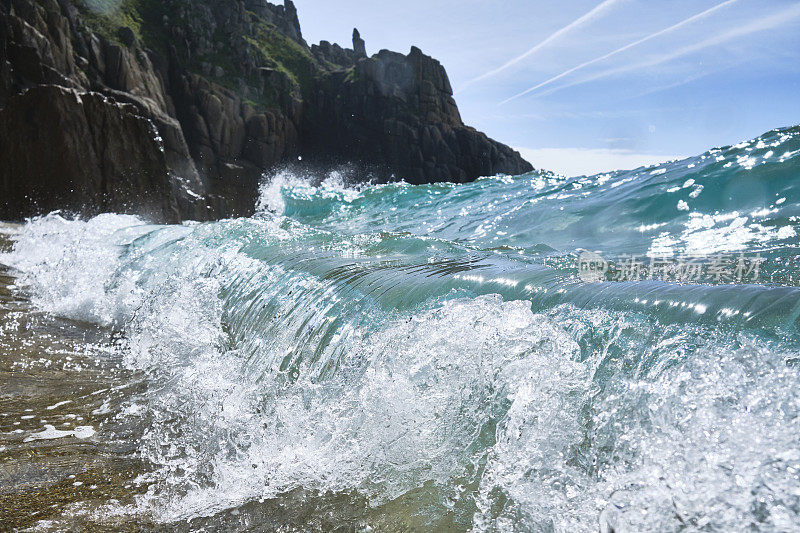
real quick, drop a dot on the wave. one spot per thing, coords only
(395, 338)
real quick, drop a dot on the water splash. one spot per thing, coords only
(395, 338)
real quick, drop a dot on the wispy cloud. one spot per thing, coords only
(684, 81)
(762, 24)
(588, 17)
(655, 35)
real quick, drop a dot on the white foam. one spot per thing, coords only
(383, 428)
(698, 440)
(69, 262)
(50, 432)
(59, 404)
(271, 193)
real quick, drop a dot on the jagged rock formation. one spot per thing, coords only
(227, 89)
(359, 46)
(399, 110)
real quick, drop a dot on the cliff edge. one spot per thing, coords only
(174, 110)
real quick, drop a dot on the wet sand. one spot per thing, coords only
(63, 455)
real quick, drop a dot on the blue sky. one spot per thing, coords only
(585, 86)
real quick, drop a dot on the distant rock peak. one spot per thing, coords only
(359, 46)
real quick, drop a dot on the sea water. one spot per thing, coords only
(529, 353)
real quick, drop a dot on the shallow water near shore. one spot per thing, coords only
(411, 358)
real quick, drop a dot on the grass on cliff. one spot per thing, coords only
(144, 17)
(285, 55)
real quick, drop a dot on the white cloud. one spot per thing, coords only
(589, 161)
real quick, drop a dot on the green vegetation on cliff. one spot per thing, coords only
(143, 17)
(107, 17)
(287, 55)
(266, 46)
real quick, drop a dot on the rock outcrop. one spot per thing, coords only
(215, 92)
(359, 46)
(397, 112)
(61, 149)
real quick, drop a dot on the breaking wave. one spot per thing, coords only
(437, 345)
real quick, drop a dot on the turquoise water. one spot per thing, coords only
(382, 340)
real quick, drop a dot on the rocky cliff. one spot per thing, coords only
(174, 109)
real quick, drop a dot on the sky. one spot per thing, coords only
(587, 86)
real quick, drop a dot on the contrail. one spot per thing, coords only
(679, 25)
(762, 24)
(569, 27)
